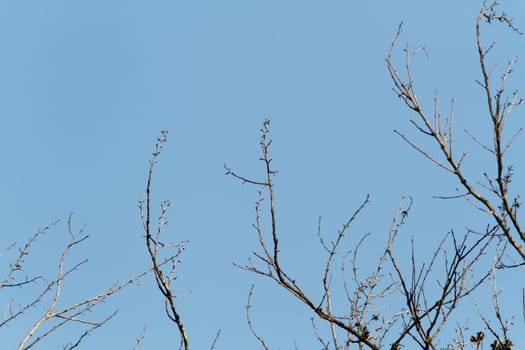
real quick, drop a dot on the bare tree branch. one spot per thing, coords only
(163, 278)
(503, 210)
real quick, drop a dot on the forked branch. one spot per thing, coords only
(154, 244)
(498, 202)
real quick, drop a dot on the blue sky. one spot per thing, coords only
(86, 87)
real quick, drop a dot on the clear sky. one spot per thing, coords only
(86, 87)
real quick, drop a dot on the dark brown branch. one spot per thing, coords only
(153, 243)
